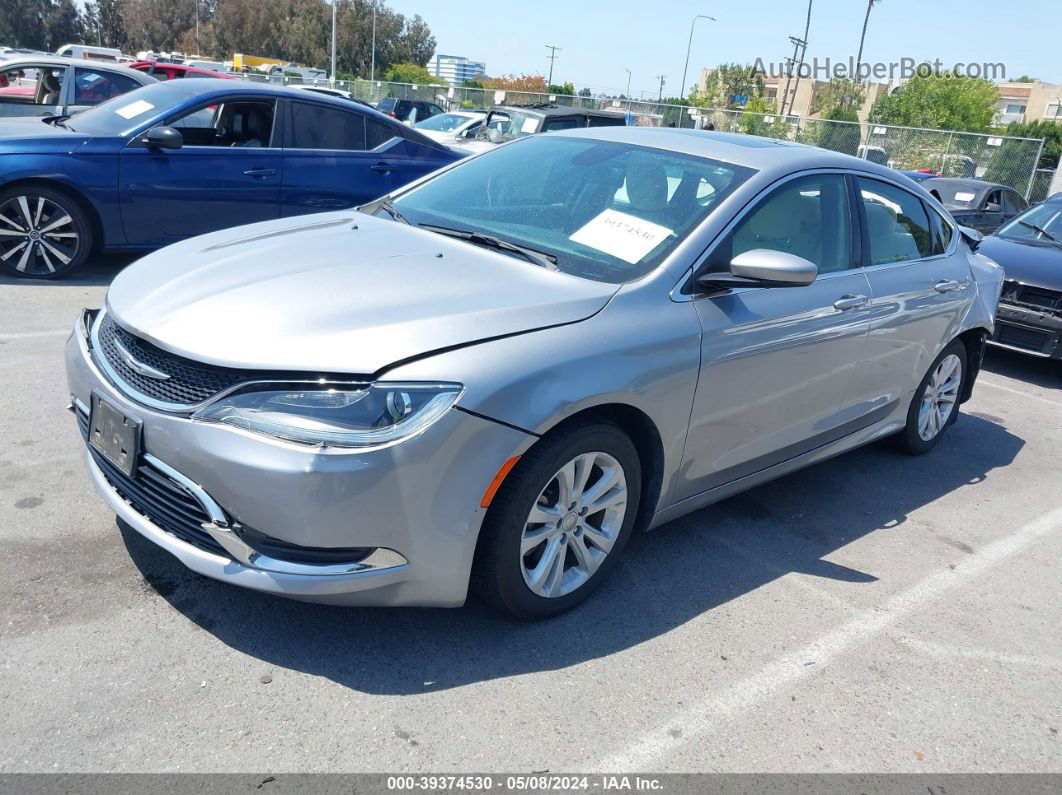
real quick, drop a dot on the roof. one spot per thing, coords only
(58, 60)
(1013, 92)
(957, 183)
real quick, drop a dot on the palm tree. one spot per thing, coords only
(866, 20)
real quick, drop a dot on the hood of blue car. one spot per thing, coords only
(30, 135)
(337, 292)
(1036, 264)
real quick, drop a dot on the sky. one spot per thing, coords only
(600, 38)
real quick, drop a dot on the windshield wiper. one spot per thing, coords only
(1042, 231)
(540, 258)
(58, 121)
(384, 204)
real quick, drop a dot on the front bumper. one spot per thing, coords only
(1029, 331)
(413, 506)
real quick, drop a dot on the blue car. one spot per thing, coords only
(185, 157)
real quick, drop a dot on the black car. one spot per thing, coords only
(1030, 309)
(508, 122)
(402, 109)
(983, 206)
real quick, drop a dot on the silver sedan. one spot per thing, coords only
(491, 378)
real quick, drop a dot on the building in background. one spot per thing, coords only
(455, 69)
(1029, 102)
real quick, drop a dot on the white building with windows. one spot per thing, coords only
(455, 69)
(1027, 102)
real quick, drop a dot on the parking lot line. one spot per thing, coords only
(942, 652)
(20, 335)
(649, 752)
(1023, 393)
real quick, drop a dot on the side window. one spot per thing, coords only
(247, 124)
(993, 198)
(560, 124)
(942, 232)
(897, 224)
(377, 133)
(32, 85)
(1012, 202)
(808, 217)
(92, 87)
(322, 127)
(434, 109)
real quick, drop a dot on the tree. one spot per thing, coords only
(533, 84)
(1024, 79)
(674, 114)
(939, 101)
(863, 37)
(839, 131)
(412, 73)
(585, 92)
(104, 23)
(728, 86)
(470, 83)
(1012, 163)
(567, 89)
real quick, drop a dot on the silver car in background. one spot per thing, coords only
(495, 376)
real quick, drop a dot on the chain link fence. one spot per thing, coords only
(1005, 160)
(1041, 184)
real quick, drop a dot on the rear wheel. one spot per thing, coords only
(935, 405)
(44, 234)
(560, 521)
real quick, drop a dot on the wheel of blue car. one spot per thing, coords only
(44, 234)
(559, 522)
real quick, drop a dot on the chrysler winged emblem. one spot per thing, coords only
(138, 365)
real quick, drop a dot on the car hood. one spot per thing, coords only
(337, 293)
(29, 135)
(1039, 266)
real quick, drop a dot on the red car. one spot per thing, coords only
(171, 71)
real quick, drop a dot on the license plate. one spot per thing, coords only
(114, 435)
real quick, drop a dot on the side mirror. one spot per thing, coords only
(972, 237)
(763, 267)
(162, 138)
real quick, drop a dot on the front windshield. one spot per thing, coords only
(960, 198)
(502, 126)
(124, 113)
(444, 122)
(1041, 224)
(603, 210)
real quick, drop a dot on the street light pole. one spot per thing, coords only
(333, 43)
(682, 88)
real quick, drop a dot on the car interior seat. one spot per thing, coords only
(890, 240)
(50, 89)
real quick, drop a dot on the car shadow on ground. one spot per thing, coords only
(1046, 373)
(97, 271)
(668, 577)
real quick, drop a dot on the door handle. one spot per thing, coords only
(260, 172)
(385, 168)
(946, 286)
(850, 302)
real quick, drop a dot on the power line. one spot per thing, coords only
(552, 57)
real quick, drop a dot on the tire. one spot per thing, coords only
(950, 366)
(585, 546)
(44, 233)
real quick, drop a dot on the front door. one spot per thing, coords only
(776, 362)
(29, 89)
(227, 173)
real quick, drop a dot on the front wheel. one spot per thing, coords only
(560, 521)
(44, 234)
(935, 405)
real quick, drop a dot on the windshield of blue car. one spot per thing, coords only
(1041, 224)
(603, 210)
(126, 112)
(444, 122)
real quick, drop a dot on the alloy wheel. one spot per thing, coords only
(573, 524)
(940, 397)
(37, 235)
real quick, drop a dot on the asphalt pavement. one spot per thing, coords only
(874, 613)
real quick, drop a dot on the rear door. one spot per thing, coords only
(227, 173)
(920, 281)
(777, 362)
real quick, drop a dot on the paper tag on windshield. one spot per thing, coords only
(530, 125)
(134, 109)
(624, 236)
(965, 197)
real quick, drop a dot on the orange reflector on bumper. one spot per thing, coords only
(495, 484)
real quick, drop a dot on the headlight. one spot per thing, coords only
(342, 417)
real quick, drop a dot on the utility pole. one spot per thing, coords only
(372, 67)
(803, 52)
(791, 62)
(627, 93)
(552, 58)
(660, 94)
